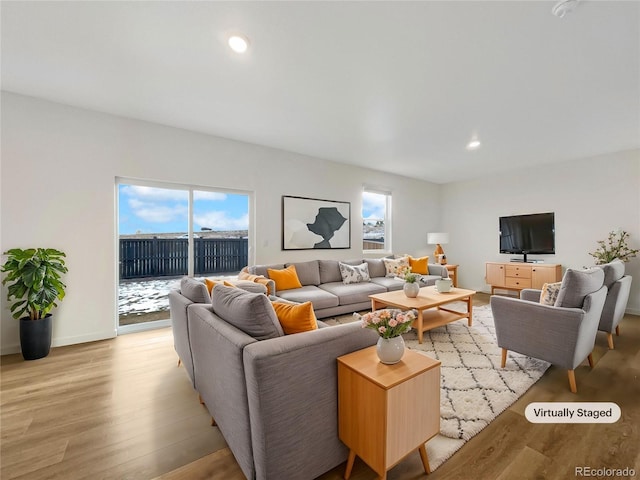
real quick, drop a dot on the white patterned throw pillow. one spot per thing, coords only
(396, 266)
(354, 273)
(549, 293)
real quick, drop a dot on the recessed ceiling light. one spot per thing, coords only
(238, 43)
(473, 144)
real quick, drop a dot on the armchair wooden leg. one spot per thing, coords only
(590, 358)
(572, 381)
(179, 361)
(350, 460)
(610, 340)
(425, 459)
(617, 330)
(504, 358)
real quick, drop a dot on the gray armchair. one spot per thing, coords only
(562, 334)
(619, 286)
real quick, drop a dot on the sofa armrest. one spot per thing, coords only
(269, 284)
(530, 295)
(436, 269)
(292, 384)
(178, 304)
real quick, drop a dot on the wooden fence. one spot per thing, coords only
(373, 244)
(161, 257)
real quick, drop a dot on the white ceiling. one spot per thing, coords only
(395, 86)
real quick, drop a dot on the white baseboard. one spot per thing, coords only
(141, 327)
(61, 342)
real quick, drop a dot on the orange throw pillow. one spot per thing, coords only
(419, 265)
(286, 279)
(296, 318)
(210, 283)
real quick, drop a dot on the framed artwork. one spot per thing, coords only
(309, 223)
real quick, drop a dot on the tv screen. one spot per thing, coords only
(525, 234)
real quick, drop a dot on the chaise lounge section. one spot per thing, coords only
(273, 396)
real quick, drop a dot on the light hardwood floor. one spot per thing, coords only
(122, 409)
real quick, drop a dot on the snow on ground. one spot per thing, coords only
(150, 295)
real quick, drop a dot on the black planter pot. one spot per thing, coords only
(35, 337)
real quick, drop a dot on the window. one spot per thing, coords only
(376, 220)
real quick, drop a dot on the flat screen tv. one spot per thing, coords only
(525, 234)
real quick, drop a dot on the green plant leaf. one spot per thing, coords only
(34, 278)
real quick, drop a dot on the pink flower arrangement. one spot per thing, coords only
(388, 322)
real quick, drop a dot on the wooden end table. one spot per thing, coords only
(453, 273)
(386, 412)
(428, 303)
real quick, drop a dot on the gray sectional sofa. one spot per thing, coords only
(322, 284)
(273, 396)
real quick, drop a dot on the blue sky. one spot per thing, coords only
(373, 206)
(162, 210)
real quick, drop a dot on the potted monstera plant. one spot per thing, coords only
(35, 283)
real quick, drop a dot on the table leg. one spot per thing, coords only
(470, 309)
(420, 326)
(350, 460)
(425, 459)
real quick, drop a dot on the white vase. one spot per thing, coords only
(411, 290)
(390, 350)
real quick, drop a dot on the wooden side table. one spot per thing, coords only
(453, 273)
(386, 412)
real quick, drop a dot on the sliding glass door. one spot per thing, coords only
(166, 232)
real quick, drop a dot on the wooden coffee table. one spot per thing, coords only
(428, 303)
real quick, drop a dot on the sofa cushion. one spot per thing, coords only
(260, 279)
(577, 284)
(319, 297)
(549, 293)
(286, 278)
(250, 312)
(419, 265)
(394, 266)
(249, 286)
(329, 271)
(613, 271)
(354, 273)
(308, 272)
(389, 283)
(427, 280)
(194, 290)
(261, 270)
(353, 293)
(376, 267)
(296, 318)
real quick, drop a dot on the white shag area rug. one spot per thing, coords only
(474, 388)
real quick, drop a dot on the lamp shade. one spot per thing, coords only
(437, 238)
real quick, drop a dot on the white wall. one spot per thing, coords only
(58, 171)
(590, 197)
